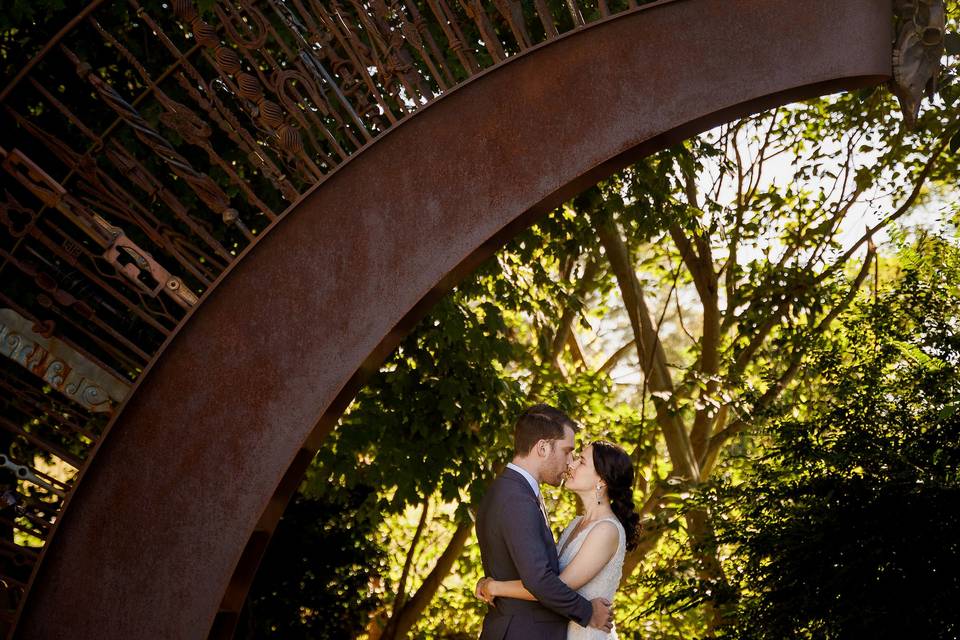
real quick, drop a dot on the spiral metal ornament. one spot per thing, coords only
(290, 139)
(227, 60)
(205, 33)
(271, 113)
(249, 87)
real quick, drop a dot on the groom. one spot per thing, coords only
(516, 542)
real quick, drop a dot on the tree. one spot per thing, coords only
(754, 276)
(765, 260)
(845, 526)
(319, 576)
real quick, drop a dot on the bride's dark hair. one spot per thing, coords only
(615, 468)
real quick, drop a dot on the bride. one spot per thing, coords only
(592, 547)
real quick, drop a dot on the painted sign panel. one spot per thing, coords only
(60, 366)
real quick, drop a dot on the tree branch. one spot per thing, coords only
(400, 624)
(900, 211)
(402, 585)
(653, 360)
(573, 343)
(653, 507)
(730, 267)
(758, 164)
(612, 361)
(565, 325)
(773, 392)
(700, 264)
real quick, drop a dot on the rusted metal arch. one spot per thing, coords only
(166, 528)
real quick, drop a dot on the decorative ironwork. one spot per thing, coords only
(62, 368)
(917, 51)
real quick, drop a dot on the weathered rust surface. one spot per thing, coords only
(167, 526)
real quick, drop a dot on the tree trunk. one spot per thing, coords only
(653, 360)
(400, 624)
(408, 563)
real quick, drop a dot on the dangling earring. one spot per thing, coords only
(598, 494)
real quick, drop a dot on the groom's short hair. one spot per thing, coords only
(540, 422)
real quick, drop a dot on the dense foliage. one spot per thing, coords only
(838, 522)
(319, 576)
(848, 524)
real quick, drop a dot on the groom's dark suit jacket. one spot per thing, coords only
(516, 544)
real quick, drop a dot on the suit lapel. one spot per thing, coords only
(515, 476)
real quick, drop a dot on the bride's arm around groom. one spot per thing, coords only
(598, 548)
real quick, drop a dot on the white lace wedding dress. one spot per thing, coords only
(603, 585)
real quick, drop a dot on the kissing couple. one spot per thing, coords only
(539, 589)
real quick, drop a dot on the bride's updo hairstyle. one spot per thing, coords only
(615, 468)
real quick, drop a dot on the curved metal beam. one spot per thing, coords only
(170, 520)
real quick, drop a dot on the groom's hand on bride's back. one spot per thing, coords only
(602, 617)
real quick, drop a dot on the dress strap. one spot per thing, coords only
(596, 522)
(570, 538)
(612, 519)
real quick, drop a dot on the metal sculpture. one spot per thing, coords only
(147, 148)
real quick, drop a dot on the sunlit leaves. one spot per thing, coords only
(845, 521)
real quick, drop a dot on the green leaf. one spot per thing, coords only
(955, 142)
